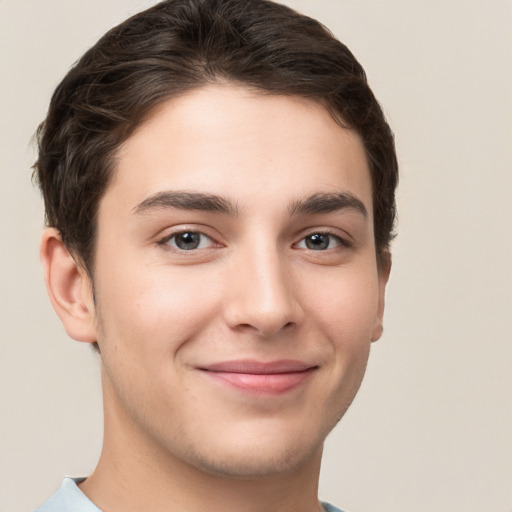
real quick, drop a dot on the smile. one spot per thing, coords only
(275, 377)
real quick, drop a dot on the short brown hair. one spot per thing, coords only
(180, 45)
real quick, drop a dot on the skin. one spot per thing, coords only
(256, 288)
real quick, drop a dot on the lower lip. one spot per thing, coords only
(274, 383)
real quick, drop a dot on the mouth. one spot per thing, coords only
(274, 377)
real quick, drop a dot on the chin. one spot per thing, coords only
(258, 453)
(253, 464)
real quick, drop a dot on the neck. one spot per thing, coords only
(136, 473)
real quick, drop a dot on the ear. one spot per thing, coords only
(384, 268)
(69, 288)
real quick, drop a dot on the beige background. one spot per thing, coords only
(431, 428)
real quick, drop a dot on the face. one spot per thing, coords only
(236, 281)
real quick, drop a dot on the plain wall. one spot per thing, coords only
(430, 429)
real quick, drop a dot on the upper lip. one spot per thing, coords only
(254, 367)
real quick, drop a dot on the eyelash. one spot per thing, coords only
(340, 241)
(164, 242)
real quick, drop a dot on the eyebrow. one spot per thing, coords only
(328, 203)
(197, 201)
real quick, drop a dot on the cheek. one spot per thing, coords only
(344, 312)
(347, 307)
(154, 311)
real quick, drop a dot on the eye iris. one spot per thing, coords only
(188, 241)
(317, 242)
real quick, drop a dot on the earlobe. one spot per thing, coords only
(68, 287)
(383, 276)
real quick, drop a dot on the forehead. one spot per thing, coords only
(240, 143)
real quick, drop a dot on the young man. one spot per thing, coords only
(219, 189)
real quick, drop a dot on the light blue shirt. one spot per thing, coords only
(69, 498)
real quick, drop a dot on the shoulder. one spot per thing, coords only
(330, 508)
(69, 498)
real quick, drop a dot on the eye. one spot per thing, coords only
(188, 241)
(320, 242)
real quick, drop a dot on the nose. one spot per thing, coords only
(263, 294)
